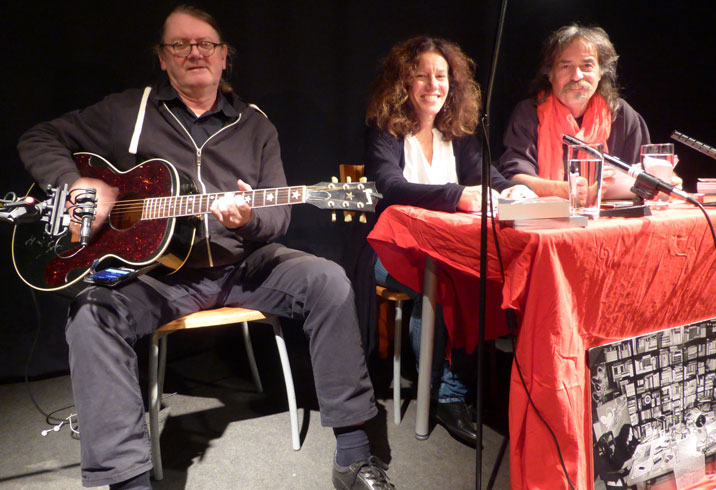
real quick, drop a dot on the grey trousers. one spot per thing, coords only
(105, 323)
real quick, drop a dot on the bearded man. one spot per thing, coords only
(575, 92)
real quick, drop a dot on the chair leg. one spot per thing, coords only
(252, 359)
(288, 378)
(162, 367)
(397, 339)
(157, 357)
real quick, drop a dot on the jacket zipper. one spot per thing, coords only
(198, 171)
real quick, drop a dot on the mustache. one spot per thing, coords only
(580, 84)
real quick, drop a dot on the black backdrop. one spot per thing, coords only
(309, 66)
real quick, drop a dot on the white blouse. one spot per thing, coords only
(417, 168)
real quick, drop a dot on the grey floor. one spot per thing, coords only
(222, 434)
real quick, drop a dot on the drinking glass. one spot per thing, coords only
(658, 160)
(585, 164)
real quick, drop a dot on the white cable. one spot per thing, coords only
(58, 427)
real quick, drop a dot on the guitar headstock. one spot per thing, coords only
(343, 196)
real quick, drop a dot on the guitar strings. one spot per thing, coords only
(194, 200)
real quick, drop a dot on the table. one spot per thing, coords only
(573, 289)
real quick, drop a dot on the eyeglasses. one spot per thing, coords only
(183, 48)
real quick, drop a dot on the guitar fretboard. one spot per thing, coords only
(193, 204)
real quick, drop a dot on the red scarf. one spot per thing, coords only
(555, 120)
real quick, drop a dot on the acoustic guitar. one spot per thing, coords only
(153, 220)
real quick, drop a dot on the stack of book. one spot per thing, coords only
(538, 213)
(706, 190)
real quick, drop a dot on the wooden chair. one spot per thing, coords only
(356, 173)
(210, 318)
(397, 297)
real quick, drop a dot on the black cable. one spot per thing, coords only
(511, 325)
(529, 397)
(48, 416)
(708, 220)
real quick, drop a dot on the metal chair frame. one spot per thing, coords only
(210, 318)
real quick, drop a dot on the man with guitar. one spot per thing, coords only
(193, 120)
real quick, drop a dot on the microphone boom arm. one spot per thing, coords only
(646, 185)
(52, 211)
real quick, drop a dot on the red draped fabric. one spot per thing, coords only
(573, 289)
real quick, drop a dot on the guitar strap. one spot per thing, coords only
(140, 121)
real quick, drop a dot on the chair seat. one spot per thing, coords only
(390, 294)
(219, 316)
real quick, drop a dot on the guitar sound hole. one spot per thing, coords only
(126, 212)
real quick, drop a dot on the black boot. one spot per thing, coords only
(455, 417)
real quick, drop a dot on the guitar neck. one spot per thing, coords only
(194, 204)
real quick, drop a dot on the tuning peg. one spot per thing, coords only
(363, 179)
(347, 218)
(348, 179)
(362, 218)
(333, 216)
(334, 180)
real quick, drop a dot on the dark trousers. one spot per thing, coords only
(105, 323)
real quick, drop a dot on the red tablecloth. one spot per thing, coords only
(573, 289)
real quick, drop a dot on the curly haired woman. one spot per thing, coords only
(422, 150)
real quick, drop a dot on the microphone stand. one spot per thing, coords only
(486, 194)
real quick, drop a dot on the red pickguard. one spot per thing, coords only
(142, 243)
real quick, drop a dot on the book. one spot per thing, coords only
(706, 186)
(705, 198)
(540, 207)
(547, 223)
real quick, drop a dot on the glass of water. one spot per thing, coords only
(658, 160)
(585, 165)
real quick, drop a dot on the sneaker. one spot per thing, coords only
(368, 474)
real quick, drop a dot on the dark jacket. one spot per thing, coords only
(246, 149)
(384, 163)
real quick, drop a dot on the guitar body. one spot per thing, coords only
(48, 264)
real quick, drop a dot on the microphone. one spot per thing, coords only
(694, 144)
(86, 207)
(646, 185)
(86, 229)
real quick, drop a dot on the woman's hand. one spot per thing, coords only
(471, 198)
